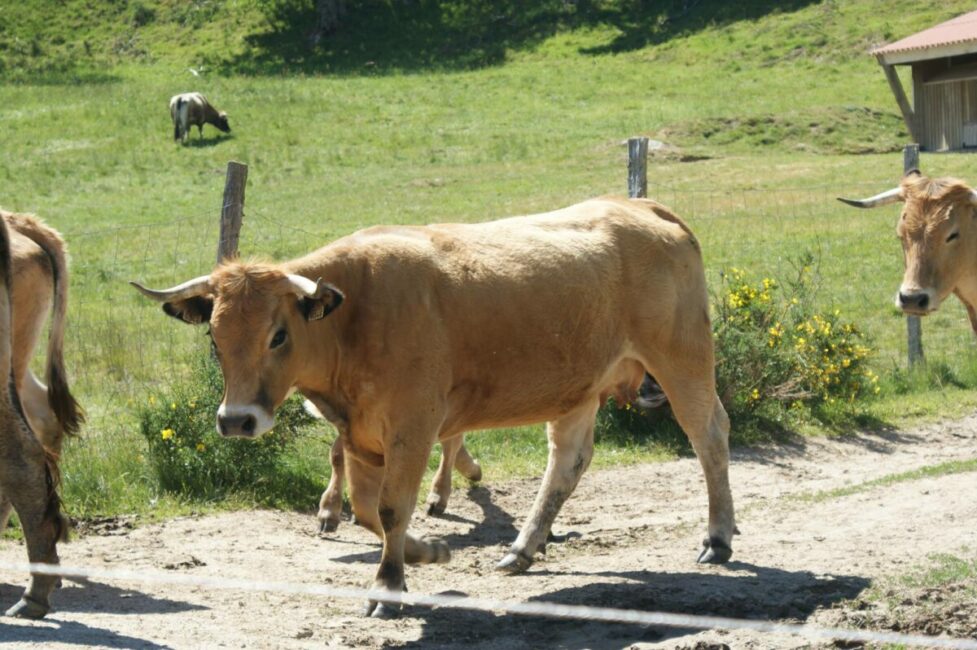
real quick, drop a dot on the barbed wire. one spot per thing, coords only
(487, 605)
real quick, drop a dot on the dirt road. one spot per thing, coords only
(629, 538)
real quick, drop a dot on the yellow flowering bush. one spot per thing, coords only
(775, 350)
(187, 454)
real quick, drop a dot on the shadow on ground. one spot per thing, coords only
(377, 37)
(752, 592)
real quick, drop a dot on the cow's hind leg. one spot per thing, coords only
(571, 440)
(453, 455)
(28, 483)
(692, 394)
(331, 503)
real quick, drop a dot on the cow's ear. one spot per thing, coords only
(316, 308)
(194, 310)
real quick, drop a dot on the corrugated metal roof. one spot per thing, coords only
(961, 29)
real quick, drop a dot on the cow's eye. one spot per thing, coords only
(278, 338)
(952, 236)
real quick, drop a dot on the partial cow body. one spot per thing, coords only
(189, 109)
(28, 475)
(938, 230)
(40, 282)
(419, 334)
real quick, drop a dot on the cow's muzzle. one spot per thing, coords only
(915, 302)
(237, 426)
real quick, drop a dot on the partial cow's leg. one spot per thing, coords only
(453, 455)
(571, 440)
(396, 498)
(6, 509)
(466, 465)
(331, 503)
(701, 415)
(26, 481)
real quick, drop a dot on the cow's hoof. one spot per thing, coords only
(714, 551)
(514, 563)
(440, 553)
(435, 507)
(385, 611)
(27, 608)
(328, 524)
(474, 473)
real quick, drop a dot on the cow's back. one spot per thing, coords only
(514, 313)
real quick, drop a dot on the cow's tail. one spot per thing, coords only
(62, 402)
(6, 321)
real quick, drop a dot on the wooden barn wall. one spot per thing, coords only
(941, 111)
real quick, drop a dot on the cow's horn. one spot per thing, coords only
(189, 289)
(885, 198)
(973, 197)
(306, 288)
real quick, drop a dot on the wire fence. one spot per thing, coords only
(512, 608)
(118, 343)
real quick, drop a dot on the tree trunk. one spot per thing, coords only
(328, 15)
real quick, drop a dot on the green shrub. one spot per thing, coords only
(190, 458)
(774, 350)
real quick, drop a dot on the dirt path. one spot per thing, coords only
(630, 537)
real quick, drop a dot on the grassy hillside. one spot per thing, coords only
(436, 111)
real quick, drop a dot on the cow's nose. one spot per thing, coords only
(919, 300)
(237, 425)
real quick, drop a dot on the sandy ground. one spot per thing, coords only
(627, 538)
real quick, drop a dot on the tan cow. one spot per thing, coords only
(939, 242)
(28, 475)
(40, 282)
(443, 329)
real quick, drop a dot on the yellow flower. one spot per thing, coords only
(201, 447)
(173, 406)
(166, 434)
(152, 400)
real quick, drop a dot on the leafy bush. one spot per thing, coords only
(774, 350)
(190, 458)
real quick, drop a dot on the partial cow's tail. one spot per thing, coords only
(62, 402)
(6, 321)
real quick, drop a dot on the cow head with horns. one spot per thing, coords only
(259, 317)
(938, 230)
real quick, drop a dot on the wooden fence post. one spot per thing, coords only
(232, 210)
(638, 167)
(914, 326)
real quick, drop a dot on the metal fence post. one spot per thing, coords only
(637, 167)
(232, 210)
(914, 326)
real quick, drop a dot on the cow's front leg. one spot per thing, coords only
(571, 440)
(331, 503)
(383, 499)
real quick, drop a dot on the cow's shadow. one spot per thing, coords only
(752, 592)
(53, 631)
(196, 142)
(83, 595)
(495, 526)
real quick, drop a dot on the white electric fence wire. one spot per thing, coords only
(545, 609)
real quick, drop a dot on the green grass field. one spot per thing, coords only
(423, 114)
